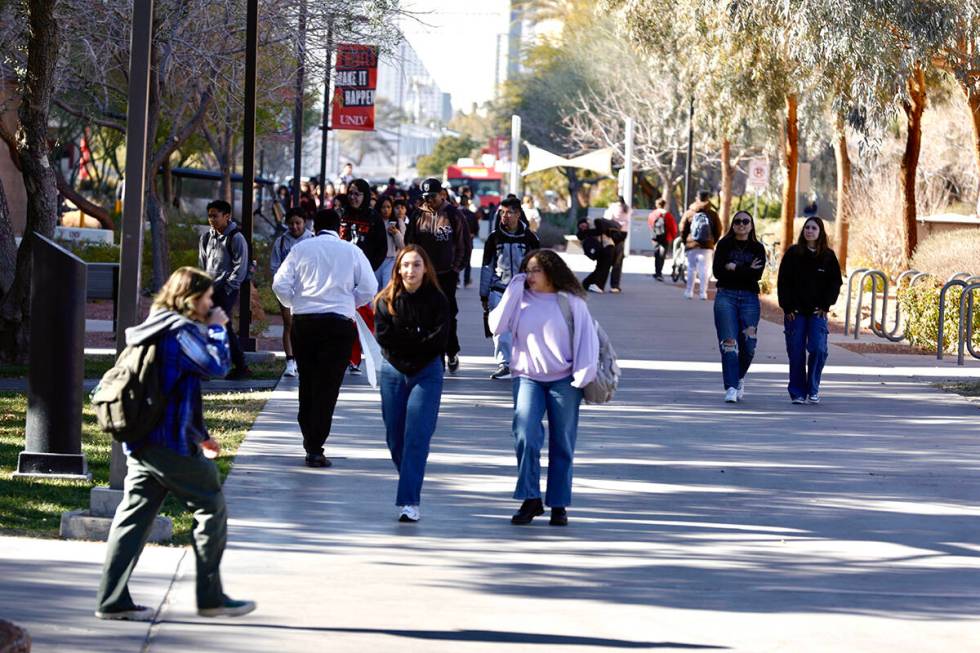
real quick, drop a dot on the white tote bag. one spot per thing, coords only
(370, 350)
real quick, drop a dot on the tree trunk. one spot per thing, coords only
(43, 45)
(791, 159)
(83, 203)
(913, 107)
(8, 245)
(158, 237)
(973, 100)
(168, 182)
(726, 183)
(843, 218)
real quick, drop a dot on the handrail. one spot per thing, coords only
(942, 313)
(965, 327)
(850, 283)
(875, 274)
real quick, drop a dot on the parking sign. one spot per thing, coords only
(758, 174)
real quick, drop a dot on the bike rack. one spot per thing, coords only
(957, 275)
(893, 334)
(965, 327)
(942, 312)
(850, 284)
(877, 275)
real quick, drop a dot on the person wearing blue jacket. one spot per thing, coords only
(503, 252)
(175, 457)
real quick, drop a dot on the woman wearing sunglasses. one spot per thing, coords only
(738, 264)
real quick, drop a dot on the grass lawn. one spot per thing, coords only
(965, 388)
(97, 365)
(33, 507)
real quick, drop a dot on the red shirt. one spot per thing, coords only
(670, 225)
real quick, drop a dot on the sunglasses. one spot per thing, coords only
(737, 221)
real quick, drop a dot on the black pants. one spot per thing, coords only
(448, 281)
(619, 253)
(659, 255)
(602, 264)
(228, 300)
(322, 345)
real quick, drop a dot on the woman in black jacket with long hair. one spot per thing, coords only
(809, 284)
(738, 264)
(412, 322)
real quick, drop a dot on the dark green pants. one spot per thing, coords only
(152, 473)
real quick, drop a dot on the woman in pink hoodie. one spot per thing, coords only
(551, 361)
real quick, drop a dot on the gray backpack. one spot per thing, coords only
(129, 401)
(701, 228)
(603, 386)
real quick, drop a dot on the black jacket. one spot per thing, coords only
(502, 256)
(741, 253)
(808, 282)
(418, 331)
(367, 230)
(443, 236)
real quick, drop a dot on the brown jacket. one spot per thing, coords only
(700, 207)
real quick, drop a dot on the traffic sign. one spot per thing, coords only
(758, 178)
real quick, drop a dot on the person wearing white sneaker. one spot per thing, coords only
(412, 318)
(739, 261)
(296, 232)
(809, 284)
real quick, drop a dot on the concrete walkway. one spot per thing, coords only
(696, 525)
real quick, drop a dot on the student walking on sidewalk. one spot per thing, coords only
(663, 230)
(296, 232)
(738, 264)
(551, 368)
(412, 322)
(192, 344)
(323, 281)
(809, 284)
(700, 228)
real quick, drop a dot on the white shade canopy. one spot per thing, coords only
(599, 161)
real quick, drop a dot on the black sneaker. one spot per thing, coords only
(354, 370)
(503, 372)
(530, 509)
(230, 608)
(452, 362)
(559, 517)
(135, 613)
(317, 460)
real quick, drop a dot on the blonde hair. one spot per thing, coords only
(184, 287)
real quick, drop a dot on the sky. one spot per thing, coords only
(457, 41)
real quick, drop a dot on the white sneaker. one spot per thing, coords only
(594, 288)
(291, 369)
(741, 389)
(813, 399)
(704, 296)
(731, 395)
(409, 514)
(688, 295)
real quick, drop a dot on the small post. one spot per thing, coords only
(515, 151)
(628, 179)
(53, 434)
(327, 99)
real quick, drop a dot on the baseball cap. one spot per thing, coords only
(431, 186)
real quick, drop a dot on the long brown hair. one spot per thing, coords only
(731, 227)
(822, 245)
(182, 289)
(396, 286)
(558, 273)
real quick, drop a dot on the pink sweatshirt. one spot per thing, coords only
(541, 345)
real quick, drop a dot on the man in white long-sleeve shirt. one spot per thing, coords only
(323, 281)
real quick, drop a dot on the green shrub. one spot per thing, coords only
(920, 305)
(93, 252)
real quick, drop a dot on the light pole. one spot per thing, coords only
(690, 155)
(248, 169)
(298, 106)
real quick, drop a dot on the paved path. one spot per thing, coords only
(696, 525)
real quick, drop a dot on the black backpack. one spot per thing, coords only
(129, 401)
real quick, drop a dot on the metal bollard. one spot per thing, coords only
(53, 434)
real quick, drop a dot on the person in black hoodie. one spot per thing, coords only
(361, 225)
(809, 284)
(738, 264)
(503, 252)
(412, 320)
(440, 230)
(598, 245)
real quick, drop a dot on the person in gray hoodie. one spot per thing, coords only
(175, 457)
(503, 252)
(223, 254)
(296, 231)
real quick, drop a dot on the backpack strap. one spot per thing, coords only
(566, 311)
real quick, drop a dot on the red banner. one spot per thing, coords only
(355, 81)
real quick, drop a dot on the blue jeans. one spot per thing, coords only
(561, 402)
(383, 273)
(410, 407)
(736, 318)
(806, 345)
(501, 343)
